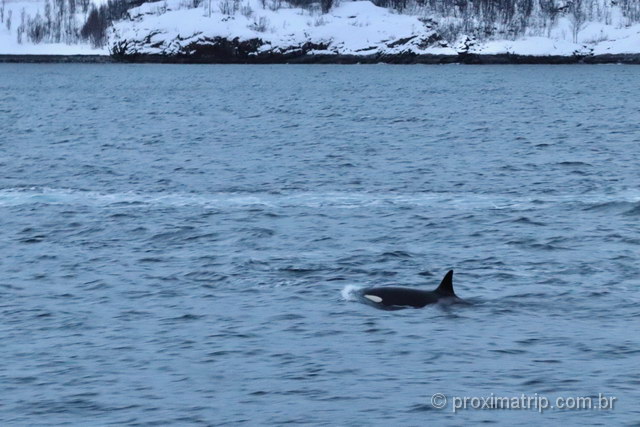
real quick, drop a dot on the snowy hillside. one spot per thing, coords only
(354, 28)
(239, 30)
(54, 29)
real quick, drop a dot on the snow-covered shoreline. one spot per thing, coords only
(468, 59)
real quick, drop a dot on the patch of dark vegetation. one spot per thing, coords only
(101, 17)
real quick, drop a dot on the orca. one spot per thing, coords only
(395, 298)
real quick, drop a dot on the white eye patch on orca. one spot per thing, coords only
(373, 298)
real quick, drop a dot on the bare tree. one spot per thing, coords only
(47, 17)
(94, 29)
(275, 5)
(21, 27)
(71, 25)
(84, 5)
(36, 30)
(578, 18)
(58, 20)
(228, 7)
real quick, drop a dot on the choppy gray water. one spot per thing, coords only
(177, 242)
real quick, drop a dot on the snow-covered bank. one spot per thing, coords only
(8, 47)
(349, 30)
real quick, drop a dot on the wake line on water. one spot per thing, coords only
(68, 196)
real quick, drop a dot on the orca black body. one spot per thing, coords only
(393, 298)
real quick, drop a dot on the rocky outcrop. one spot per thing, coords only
(229, 51)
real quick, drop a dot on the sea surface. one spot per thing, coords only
(180, 245)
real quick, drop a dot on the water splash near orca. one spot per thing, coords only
(351, 293)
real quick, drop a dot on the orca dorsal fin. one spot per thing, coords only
(446, 286)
